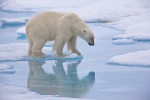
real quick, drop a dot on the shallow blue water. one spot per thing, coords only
(89, 77)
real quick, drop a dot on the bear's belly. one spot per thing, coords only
(51, 36)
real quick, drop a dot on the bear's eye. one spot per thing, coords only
(84, 30)
(91, 38)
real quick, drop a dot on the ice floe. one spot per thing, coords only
(139, 58)
(13, 21)
(21, 31)
(18, 52)
(134, 27)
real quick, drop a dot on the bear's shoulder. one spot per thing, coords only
(71, 16)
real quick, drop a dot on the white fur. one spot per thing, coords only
(61, 28)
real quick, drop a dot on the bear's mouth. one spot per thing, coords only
(91, 44)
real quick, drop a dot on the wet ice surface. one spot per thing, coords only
(87, 78)
(19, 52)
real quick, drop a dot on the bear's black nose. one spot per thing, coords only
(91, 44)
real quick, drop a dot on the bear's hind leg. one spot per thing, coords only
(37, 48)
(30, 47)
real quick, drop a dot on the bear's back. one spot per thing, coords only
(46, 17)
(44, 24)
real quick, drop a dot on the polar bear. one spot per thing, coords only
(62, 28)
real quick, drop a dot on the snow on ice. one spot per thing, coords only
(134, 27)
(34, 6)
(13, 21)
(139, 58)
(21, 31)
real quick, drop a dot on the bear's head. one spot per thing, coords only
(88, 36)
(81, 29)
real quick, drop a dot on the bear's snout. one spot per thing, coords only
(91, 42)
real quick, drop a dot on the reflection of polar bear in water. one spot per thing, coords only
(60, 83)
(59, 27)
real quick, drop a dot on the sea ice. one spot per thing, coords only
(13, 21)
(18, 52)
(139, 58)
(21, 31)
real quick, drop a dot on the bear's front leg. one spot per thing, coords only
(71, 44)
(58, 46)
(76, 51)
